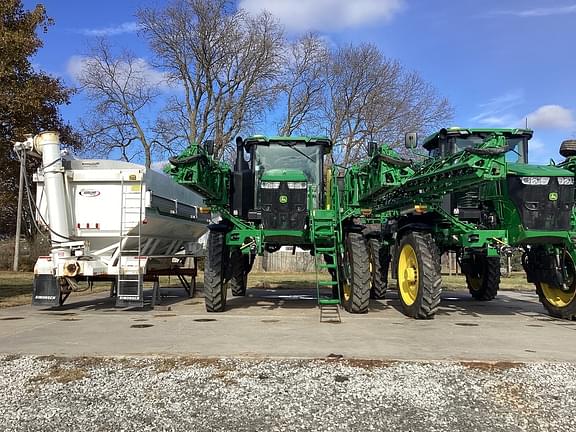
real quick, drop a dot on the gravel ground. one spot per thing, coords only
(148, 394)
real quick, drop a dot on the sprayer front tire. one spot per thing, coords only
(484, 286)
(558, 302)
(238, 273)
(356, 278)
(419, 278)
(379, 262)
(215, 286)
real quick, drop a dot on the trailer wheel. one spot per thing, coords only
(419, 279)
(560, 303)
(215, 286)
(356, 278)
(484, 282)
(379, 262)
(239, 263)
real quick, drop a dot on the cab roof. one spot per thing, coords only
(289, 140)
(432, 141)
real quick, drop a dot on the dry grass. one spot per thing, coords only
(491, 366)
(517, 281)
(61, 375)
(16, 288)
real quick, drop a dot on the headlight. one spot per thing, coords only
(296, 185)
(270, 185)
(535, 181)
(565, 181)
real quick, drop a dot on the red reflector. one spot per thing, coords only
(87, 225)
(97, 226)
(78, 226)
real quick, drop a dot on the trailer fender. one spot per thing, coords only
(219, 227)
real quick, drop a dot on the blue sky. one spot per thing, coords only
(499, 62)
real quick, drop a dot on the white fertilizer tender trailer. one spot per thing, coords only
(111, 221)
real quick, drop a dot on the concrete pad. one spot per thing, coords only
(285, 323)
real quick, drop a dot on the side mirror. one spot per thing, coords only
(209, 147)
(372, 148)
(411, 140)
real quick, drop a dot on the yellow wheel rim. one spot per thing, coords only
(557, 297)
(475, 283)
(408, 281)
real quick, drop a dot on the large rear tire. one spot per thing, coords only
(215, 286)
(419, 278)
(379, 263)
(356, 275)
(238, 272)
(560, 303)
(483, 279)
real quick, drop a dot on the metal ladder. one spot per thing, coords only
(326, 240)
(130, 283)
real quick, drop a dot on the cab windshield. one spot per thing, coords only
(307, 159)
(517, 153)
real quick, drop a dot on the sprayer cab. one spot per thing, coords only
(448, 141)
(275, 178)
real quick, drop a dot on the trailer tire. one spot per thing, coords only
(379, 263)
(559, 303)
(215, 286)
(419, 278)
(485, 286)
(356, 278)
(238, 272)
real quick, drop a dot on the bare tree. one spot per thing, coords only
(226, 61)
(120, 92)
(303, 83)
(370, 97)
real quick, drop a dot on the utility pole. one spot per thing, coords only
(19, 212)
(21, 148)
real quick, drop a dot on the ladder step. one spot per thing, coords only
(327, 283)
(328, 301)
(324, 214)
(327, 266)
(326, 250)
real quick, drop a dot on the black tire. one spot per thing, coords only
(568, 148)
(355, 281)
(379, 263)
(215, 286)
(557, 302)
(419, 280)
(238, 272)
(484, 279)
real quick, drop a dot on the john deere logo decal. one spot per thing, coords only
(553, 196)
(283, 199)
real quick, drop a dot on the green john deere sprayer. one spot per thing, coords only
(475, 194)
(279, 193)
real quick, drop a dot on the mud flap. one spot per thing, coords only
(45, 291)
(130, 291)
